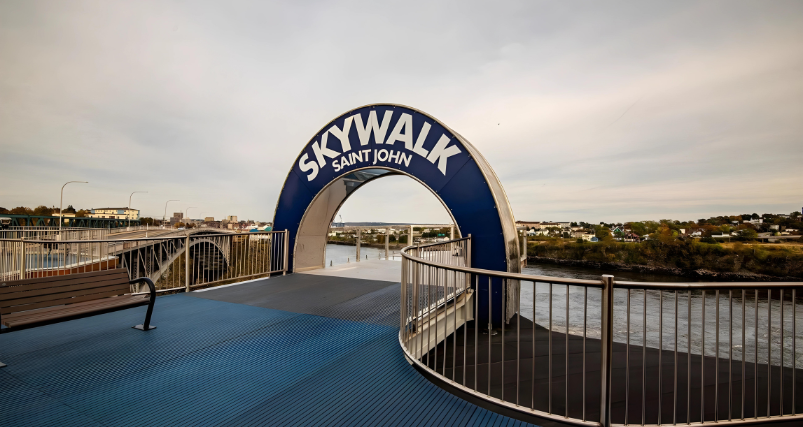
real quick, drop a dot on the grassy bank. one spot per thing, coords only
(679, 256)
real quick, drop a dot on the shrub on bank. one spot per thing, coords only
(675, 253)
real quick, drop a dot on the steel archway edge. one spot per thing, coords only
(379, 140)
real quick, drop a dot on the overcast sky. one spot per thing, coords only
(586, 111)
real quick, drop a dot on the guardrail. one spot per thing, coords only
(606, 352)
(52, 233)
(175, 262)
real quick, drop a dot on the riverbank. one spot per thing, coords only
(688, 258)
(698, 274)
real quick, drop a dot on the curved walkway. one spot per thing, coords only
(212, 362)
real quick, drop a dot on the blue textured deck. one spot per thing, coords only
(219, 363)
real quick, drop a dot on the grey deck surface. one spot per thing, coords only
(219, 363)
(372, 301)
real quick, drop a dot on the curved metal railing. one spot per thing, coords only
(602, 352)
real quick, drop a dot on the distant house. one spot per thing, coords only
(114, 213)
(529, 224)
(582, 234)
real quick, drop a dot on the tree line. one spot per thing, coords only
(43, 210)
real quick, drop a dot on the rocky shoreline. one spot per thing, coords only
(700, 273)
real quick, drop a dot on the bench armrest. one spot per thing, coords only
(147, 325)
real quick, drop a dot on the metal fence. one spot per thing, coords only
(53, 233)
(604, 352)
(176, 262)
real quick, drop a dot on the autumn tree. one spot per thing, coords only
(43, 210)
(22, 210)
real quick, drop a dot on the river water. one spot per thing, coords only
(343, 254)
(659, 316)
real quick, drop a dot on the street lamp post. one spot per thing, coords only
(187, 213)
(61, 202)
(129, 207)
(165, 214)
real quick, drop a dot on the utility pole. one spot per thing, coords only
(61, 202)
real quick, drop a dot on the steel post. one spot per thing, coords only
(286, 251)
(22, 259)
(606, 342)
(523, 254)
(387, 242)
(187, 263)
(358, 243)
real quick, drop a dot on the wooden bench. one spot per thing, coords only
(31, 302)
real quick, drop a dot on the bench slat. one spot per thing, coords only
(72, 290)
(56, 278)
(39, 316)
(118, 288)
(77, 306)
(80, 307)
(57, 281)
(61, 301)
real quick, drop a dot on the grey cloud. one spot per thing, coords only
(210, 103)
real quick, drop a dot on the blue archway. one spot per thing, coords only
(378, 140)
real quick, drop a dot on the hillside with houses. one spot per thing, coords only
(759, 247)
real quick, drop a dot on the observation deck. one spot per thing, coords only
(301, 349)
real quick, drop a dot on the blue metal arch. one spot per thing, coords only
(460, 177)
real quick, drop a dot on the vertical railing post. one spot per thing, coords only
(416, 320)
(187, 263)
(606, 346)
(387, 242)
(524, 249)
(358, 243)
(286, 251)
(22, 259)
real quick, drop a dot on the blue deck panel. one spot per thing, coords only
(219, 363)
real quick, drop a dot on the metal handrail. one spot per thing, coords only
(417, 319)
(215, 258)
(141, 239)
(498, 274)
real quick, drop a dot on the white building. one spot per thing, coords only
(114, 213)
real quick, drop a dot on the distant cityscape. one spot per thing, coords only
(768, 226)
(177, 220)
